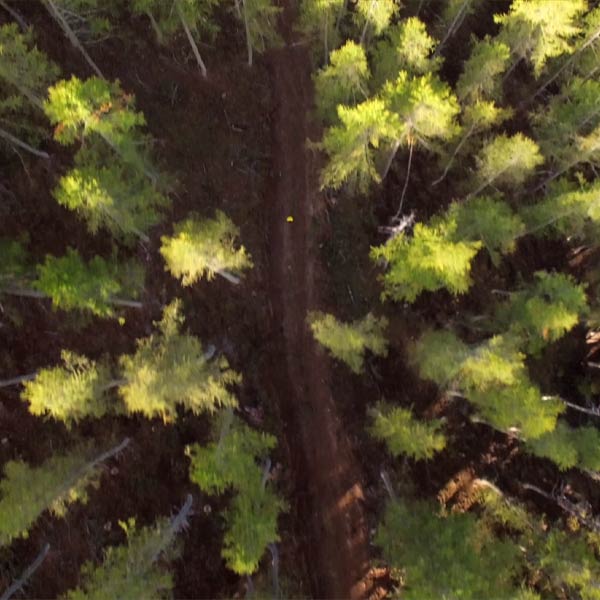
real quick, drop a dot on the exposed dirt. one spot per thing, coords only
(337, 539)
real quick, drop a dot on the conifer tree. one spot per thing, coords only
(374, 16)
(230, 463)
(26, 492)
(506, 160)
(73, 283)
(453, 16)
(205, 248)
(480, 79)
(343, 81)
(348, 341)
(136, 570)
(351, 146)
(260, 23)
(445, 557)
(405, 46)
(544, 311)
(14, 261)
(170, 368)
(405, 435)
(69, 392)
(537, 30)
(320, 19)
(428, 261)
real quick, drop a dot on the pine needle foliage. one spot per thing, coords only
(545, 311)
(405, 435)
(26, 492)
(170, 368)
(428, 261)
(203, 248)
(69, 392)
(318, 20)
(137, 569)
(445, 557)
(374, 16)
(13, 262)
(231, 463)
(73, 283)
(349, 341)
(343, 81)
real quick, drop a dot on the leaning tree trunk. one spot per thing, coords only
(248, 34)
(10, 138)
(410, 154)
(456, 151)
(26, 293)
(26, 575)
(191, 40)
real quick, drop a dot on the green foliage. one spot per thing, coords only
(170, 368)
(565, 211)
(348, 341)
(487, 220)
(13, 262)
(438, 356)
(480, 78)
(26, 491)
(132, 570)
(204, 248)
(23, 66)
(74, 284)
(507, 160)
(351, 145)
(94, 20)
(319, 18)
(406, 46)
(403, 434)
(111, 195)
(70, 392)
(428, 261)
(260, 17)
(568, 447)
(252, 517)
(445, 557)
(537, 30)
(374, 15)
(343, 81)
(544, 311)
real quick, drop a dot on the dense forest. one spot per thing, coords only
(300, 299)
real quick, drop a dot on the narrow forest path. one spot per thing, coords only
(331, 513)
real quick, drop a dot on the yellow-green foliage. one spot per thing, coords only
(170, 368)
(448, 557)
(542, 313)
(70, 392)
(403, 434)
(348, 341)
(428, 261)
(375, 14)
(203, 248)
(231, 463)
(26, 491)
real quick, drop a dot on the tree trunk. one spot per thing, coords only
(26, 293)
(57, 16)
(456, 151)
(388, 484)
(410, 153)
(390, 159)
(27, 573)
(229, 276)
(178, 523)
(18, 380)
(325, 41)
(248, 36)
(191, 40)
(9, 137)
(15, 15)
(159, 34)
(363, 35)
(451, 31)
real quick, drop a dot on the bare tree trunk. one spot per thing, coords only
(451, 29)
(456, 151)
(26, 575)
(191, 40)
(410, 154)
(9, 137)
(157, 30)
(56, 14)
(15, 15)
(248, 36)
(486, 183)
(363, 35)
(275, 570)
(18, 380)
(178, 523)
(26, 293)
(229, 276)
(388, 484)
(390, 159)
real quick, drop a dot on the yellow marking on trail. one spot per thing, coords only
(290, 219)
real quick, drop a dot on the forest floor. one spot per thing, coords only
(323, 462)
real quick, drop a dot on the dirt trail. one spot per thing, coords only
(335, 533)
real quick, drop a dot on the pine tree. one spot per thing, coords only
(230, 463)
(69, 392)
(374, 16)
(405, 435)
(26, 492)
(205, 248)
(537, 30)
(170, 368)
(544, 311)
(507, 161)
(351, 146)
(135, 570)
(319, 19)
(445, 557)
(343, 81)
(260, 23)
(428, 261)
(405, 46)
(95, 286)
(348, 341)
(569, 447)
(480, 79)
(487, 220)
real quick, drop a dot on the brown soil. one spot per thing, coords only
(336, 543)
